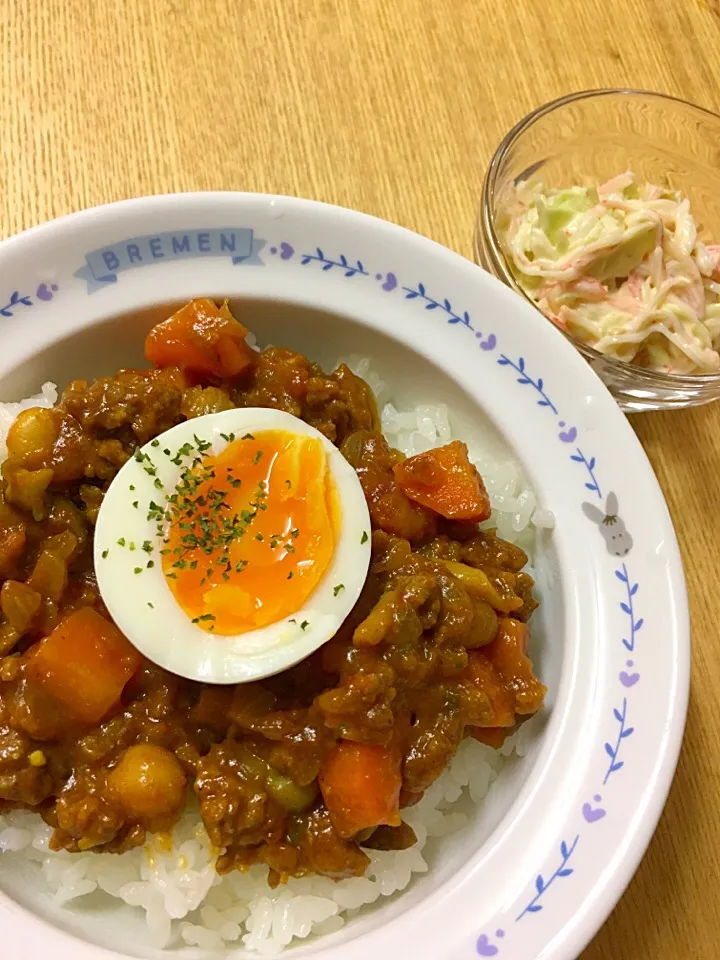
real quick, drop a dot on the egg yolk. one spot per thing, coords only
(251, 531)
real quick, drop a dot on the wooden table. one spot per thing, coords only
(392, 107)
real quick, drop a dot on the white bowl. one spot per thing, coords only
(552, 848)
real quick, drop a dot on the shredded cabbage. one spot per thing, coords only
(619, 267)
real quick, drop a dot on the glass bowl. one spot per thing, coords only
(598, 134)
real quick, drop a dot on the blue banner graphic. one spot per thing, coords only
(104, 264)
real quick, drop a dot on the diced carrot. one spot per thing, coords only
(203, 338)
(445, 480)
(483, 675)
(84, 664)
(360, 785)
(508, 655)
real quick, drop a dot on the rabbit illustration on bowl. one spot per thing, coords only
(612, 527)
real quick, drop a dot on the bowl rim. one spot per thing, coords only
(512, 394)
(493, 247)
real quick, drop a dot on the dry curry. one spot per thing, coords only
(299, 771)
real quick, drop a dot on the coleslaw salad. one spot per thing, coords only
(619, 267)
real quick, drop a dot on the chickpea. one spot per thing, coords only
(43, 437)
(32, 437)
(149, 782)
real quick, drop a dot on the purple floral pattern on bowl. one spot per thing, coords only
(589, 814)
(18, 300)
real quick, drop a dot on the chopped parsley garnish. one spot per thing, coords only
(364, 537)
(151, 605)
(304, 624)
(337, 588)
(137, 570)
(203, 617)
(185, 450)
(197, 510)
(194, 520)
(121, 542)
(104, 554)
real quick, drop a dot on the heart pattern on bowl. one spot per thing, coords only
(592, 814)
(484, 947)
(45, 292)
(569, 435)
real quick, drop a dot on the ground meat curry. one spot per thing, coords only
(304, 769)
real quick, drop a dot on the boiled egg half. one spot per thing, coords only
(233, 545)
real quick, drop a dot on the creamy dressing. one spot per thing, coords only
(619, 266)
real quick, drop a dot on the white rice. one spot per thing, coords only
(184, 900)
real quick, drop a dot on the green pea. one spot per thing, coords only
(288, 794)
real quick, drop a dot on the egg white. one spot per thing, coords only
(143, 606)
